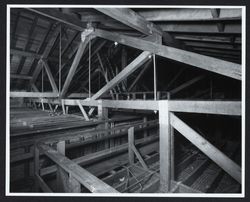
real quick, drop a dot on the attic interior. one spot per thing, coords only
(125, 100)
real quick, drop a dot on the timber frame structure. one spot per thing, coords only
(70, 68)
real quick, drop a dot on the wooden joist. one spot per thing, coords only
(206, 147)
(225, 68)
(135, 64)
(32, 94)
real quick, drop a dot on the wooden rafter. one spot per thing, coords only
(225, 68)
(135, 64)
(74, 66)
(132, 19)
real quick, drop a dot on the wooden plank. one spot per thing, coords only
(32, 94)
(88, 180)
(36, 166)
(131, 19)
(225, 68)
(206, 107)
(61, 175)
(74, 186)
(131, 140)
(207, 148)
(182, 188)
(123, 104)
(42, 184)
(138, 155)
(19, 76)
(165, 146)
(135, 64)
(83, 111)
(74, 66)
(50, 76)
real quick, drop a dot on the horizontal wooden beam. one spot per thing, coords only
(131, 19)
(134, 65)
(122, 104)
(207, 148)
(33, 94)
(207, 107)
(191, 106)
(19, 76)
(211, 28)
(91, 182)
(189, 14)
(225, 68)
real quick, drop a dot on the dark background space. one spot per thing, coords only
(3, 8)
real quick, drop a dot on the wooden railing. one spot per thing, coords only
(70, 176)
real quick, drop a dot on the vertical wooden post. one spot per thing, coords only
(144, 96)
(27, 164)
(133, 96)
(61, 175)
(67, 109)
(102, 111)
(50, 107)
(165, 146)
(172, 146)
(42, 105)
(145, 131)
(158, 95)
(36, 167)
(130, 145)
(63, 107)
(103, 115)
(74, 186)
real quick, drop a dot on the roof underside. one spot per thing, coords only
(211, 32)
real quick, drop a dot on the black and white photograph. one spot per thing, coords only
(125, 100)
